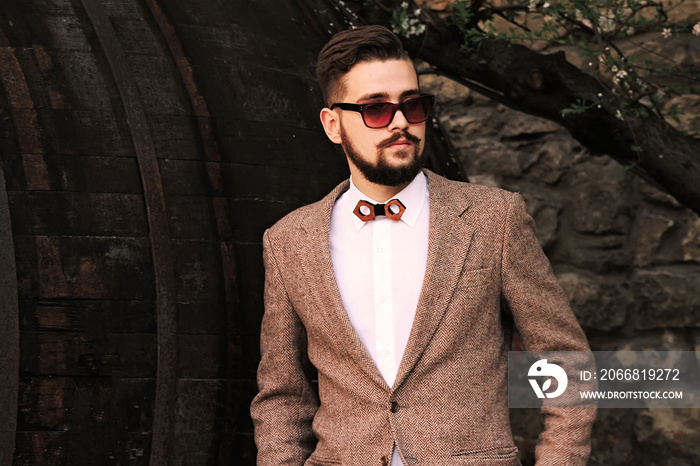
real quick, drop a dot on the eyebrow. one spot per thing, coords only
(384, 95)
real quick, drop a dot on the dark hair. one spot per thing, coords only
(350, 47)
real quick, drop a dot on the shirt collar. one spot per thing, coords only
(412, 197)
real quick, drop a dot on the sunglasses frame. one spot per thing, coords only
(360, 108)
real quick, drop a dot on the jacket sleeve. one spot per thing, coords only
(545, 322)
(285, 406)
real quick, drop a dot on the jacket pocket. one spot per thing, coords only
(492, 456)
(317, 460)
(474, 277)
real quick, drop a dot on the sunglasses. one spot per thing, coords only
(380, 114)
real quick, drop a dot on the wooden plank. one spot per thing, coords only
(175, 136)
(264, 213)
(199, 415)
(202, 316)
(244, 446)
(45, 448)
(94, 316)
(198, 268)
(160, 90)
(85, 420)
(80, 173)
(84, 268)
(202, 357)
(79, 73)
(253, 282)
(9, 331)
(75, 213)
(85, 132)
(259, 143)
(241, 181)
(68, 354)
(22, 113)
(65, 31)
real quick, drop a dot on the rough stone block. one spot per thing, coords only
(690, 244)
(649, 231)
(667, 298)
(598, 197)
(597, 305)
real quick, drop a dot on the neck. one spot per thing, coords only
(378, 192)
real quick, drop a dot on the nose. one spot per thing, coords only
(399, 122)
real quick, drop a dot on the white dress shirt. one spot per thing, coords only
(379, 266)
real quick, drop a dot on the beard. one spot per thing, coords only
(382, 173)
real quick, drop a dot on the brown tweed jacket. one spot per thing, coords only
(485, 273)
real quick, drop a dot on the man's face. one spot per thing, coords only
(388, 156)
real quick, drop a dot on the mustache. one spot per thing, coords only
(396, 136)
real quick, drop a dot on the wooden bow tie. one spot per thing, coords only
(366, 211)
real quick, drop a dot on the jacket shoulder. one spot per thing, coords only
(296, 218)
(312, 216)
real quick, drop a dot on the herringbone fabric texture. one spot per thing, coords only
(486, 273)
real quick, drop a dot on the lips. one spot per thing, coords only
(400, 144)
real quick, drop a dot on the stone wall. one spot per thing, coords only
(627, 255)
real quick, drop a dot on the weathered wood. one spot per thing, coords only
(87, 407)
(84, 268)
(79, 214)
(92, 316)
(68, 354)
(9, 332)
(76, 173)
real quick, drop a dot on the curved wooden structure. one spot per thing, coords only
(145, 147)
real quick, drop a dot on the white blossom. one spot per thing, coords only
(618, 115)
(666, 33)
(620, 75)
(696, 30)
(410, 25)
(606, 24)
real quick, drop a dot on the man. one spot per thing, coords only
(407, 308)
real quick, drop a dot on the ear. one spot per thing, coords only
(331, 125)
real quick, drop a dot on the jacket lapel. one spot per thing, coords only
(449, 239)
(317, 266)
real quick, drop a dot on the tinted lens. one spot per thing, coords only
(417, 110)
(377, 115)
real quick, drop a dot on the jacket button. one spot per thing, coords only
(385, 462)
(394, 407)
